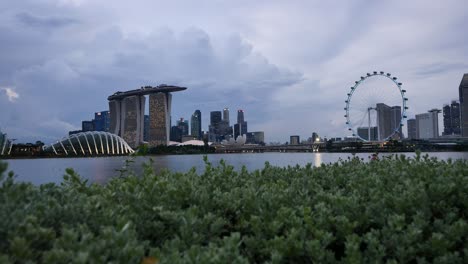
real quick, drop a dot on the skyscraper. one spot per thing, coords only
(133, 120)
(214, 127)
(179, 130)
(160, 118)
(384, 123)
(184, 126)
(196, 125)
(455, 111)
(101, 121)
(427, 124)
(447, 115)
(241, 127)
(463, 92)
(451, 119)
(240, 116)
(412, 128)
(226, 115)
(215, 118)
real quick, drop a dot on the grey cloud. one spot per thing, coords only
(65, 88)
(439, 68)
(44, 22)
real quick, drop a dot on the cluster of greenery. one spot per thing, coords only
(386, 211)
(395, 146)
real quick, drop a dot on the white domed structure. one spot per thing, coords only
(91, 143)
(193, 142)
(238, 142)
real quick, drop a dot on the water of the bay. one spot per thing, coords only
(102, 169)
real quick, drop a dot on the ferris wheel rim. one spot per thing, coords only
(402, 92)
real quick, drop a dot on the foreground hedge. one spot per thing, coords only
(392, 210)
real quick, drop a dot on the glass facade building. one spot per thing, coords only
(196, 125)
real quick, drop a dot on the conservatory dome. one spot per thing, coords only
(91, 143)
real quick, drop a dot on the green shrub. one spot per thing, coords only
(392, 210)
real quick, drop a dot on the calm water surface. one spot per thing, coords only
(100, 170)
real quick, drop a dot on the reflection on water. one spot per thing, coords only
(317, 159)
(101, 169)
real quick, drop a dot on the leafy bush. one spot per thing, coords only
(392, 210)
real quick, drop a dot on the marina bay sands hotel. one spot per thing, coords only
(127, 114)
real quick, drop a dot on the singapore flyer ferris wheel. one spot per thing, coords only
(376, 107)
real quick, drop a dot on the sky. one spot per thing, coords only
(287, 64)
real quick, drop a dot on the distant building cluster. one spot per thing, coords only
(219, 128)
(455, 118)
(101, 122)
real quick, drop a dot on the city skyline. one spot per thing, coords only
(61, 58)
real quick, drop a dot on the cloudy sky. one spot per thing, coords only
(288, 64)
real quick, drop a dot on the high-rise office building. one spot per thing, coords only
(214, 127)
(215, 118)
(412, 128)
(179, 130)
(384, 117)
(219, 128)
(226, 115)
(447, 116)
(241, 127)
(101, 121)
(463, 93)
(184, 126)
(240, 116)
(455, 112)
(196, 125)
(427, 124)
(451, 115)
